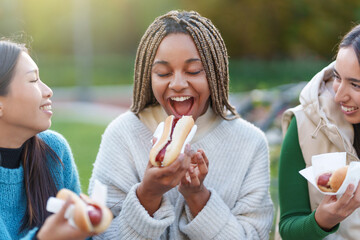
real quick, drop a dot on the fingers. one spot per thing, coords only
(347, 196)
(204, 157)
(202, 164)
(189, 152)
(355, 197)
(67, 203)
(180, 164)
(154, 140)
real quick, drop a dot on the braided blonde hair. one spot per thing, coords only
(210, 46)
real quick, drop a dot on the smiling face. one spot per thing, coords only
(26, 109)
(178, 78)
(347, 84)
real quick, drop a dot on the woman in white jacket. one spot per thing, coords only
(327, 120)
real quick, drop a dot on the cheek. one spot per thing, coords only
(335, 86)
(158, 89)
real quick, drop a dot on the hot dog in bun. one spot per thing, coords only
(88, 216)
(331, 181)
(169, 145)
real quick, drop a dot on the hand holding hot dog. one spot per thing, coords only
(159, 180)
(57, 227)
(88, 215)
(192, 187)
(332, 211)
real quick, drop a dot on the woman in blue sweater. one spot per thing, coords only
(34, 162)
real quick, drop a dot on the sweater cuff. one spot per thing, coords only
(317, 229)
(215, 214)
(139, 219)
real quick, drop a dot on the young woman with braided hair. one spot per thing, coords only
(34, 162)
(181, 68)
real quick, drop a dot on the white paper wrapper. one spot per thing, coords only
(160, 128)
(329, 162)
(99, 195)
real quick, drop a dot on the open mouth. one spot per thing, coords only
(348, 109)
(181, 105)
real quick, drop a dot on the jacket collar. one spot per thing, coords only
(317, 99)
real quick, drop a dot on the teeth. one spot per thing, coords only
(180, 99)
(46, 108)
(348, 109)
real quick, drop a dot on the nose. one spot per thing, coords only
(341, 94)
(46, 91)
(178, 82)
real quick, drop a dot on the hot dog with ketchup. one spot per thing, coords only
(169, 146)
(88, 216)
(331, 181)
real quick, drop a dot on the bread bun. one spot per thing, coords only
(337, 178)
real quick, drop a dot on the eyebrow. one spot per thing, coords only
(31, 71)
(167, 63)
(349, 79)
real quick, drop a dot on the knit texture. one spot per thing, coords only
(239, 206)
(12, 192)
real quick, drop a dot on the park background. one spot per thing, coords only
(85, 50)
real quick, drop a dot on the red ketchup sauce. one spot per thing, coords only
(95, 214)
(161, 154)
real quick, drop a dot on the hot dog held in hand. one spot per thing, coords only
(330, 174)
(172, 135)
(87, 214)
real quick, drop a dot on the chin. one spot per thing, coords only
(353, 120)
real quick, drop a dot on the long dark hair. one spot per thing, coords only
(38, 179)
(352, 39)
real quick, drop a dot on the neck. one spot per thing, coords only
(13, 138)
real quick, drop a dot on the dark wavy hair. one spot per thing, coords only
(38, 179)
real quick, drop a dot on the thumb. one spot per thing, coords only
(63, 209)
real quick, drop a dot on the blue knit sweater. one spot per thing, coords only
(12, 192)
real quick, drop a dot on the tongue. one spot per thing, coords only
(182, 108)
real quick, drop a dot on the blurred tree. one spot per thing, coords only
(256, 29)
(278, 28)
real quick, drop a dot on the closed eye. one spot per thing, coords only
(163, 75)
(355, 85)
(194, 73)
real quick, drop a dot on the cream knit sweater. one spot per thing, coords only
(239, 206)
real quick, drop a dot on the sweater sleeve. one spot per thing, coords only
(297, 221)
(250, 217)
(115, 168)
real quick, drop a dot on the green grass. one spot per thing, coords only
(84, 140)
